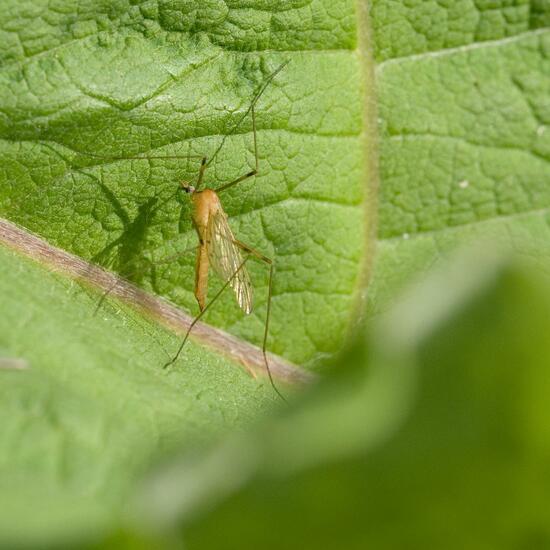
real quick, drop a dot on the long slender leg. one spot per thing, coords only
(271, 265)
(127, 275)
(201, 172)
(104, 296)
(204, 165)
(238, 180)
(252, 172)
(144, 157)
(255, 138)
(198, 317)
(255, 99)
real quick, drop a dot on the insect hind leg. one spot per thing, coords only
(129, 275)
(268, 261)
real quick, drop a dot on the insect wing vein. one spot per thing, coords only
(225, 258)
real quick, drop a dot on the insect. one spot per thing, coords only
(218, 248)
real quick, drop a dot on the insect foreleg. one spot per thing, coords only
(201, 172)
(252, 172)
(255, 139)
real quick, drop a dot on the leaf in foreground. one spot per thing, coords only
(435, 436)
(93, 405)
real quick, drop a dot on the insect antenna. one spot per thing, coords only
(255, 99)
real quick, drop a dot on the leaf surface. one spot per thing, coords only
(465, 145)
(174, 78)
(84, 83)
(94, 405)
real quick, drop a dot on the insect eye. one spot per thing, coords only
(187, 188)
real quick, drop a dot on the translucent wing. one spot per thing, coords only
(225, 258)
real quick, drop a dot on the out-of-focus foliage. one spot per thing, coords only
(94, 406)
(433, 434)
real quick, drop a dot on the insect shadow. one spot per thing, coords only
(125, 254)
(217, 246)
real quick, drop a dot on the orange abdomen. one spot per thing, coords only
(205, 204)
(201, 276)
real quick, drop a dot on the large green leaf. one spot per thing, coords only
(174, 77)
(465, 147)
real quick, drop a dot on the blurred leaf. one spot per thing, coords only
(463, 463)
(173, 78)
(94, 406)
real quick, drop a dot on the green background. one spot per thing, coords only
(423, 121)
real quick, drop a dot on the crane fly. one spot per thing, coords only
(218, 248)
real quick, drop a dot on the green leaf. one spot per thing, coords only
(93, 405)
(408, 28)
(465, 145)
(174, 77)
(434, 435)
